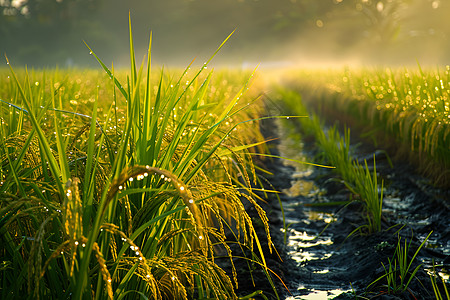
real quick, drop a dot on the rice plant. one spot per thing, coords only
(399, 273)
(411, 106)
(131, 194)
(362, 182)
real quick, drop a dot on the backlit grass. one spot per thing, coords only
(410, 105)
(122, 184)
(335, 149)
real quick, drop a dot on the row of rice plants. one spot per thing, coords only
(410, 105)
(364, 183)
(336, 150)
(123, 186)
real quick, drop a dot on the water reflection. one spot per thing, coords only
(301, 188)
(291, 146)
(300, 242)
(443, 274)
(321, 216)
(318, 294)
(304, 244)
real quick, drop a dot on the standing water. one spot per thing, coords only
(322, 260)
(306, 244)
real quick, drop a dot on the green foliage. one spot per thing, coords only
(107, 195)
(399, 272)
(362, 182)
(410, 106)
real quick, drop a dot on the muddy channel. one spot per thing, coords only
(319, 258)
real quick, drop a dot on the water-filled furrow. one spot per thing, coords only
(324, 261)
(306, 244)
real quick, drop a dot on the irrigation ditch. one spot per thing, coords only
(318, 257)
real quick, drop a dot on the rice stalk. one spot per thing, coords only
(133, 197)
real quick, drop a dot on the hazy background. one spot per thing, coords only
(271, 32)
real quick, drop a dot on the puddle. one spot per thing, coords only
(302, 188)
(321, 216)
(291, 146)
(318, 294)
(299, 244)
(443, 273)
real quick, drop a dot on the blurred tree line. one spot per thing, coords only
(41, 32)
(49, 32)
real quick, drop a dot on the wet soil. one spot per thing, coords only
(318, 259)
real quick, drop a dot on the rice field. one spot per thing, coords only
(405, 112)
(408, 108)
(134, 183)
(127, 183)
